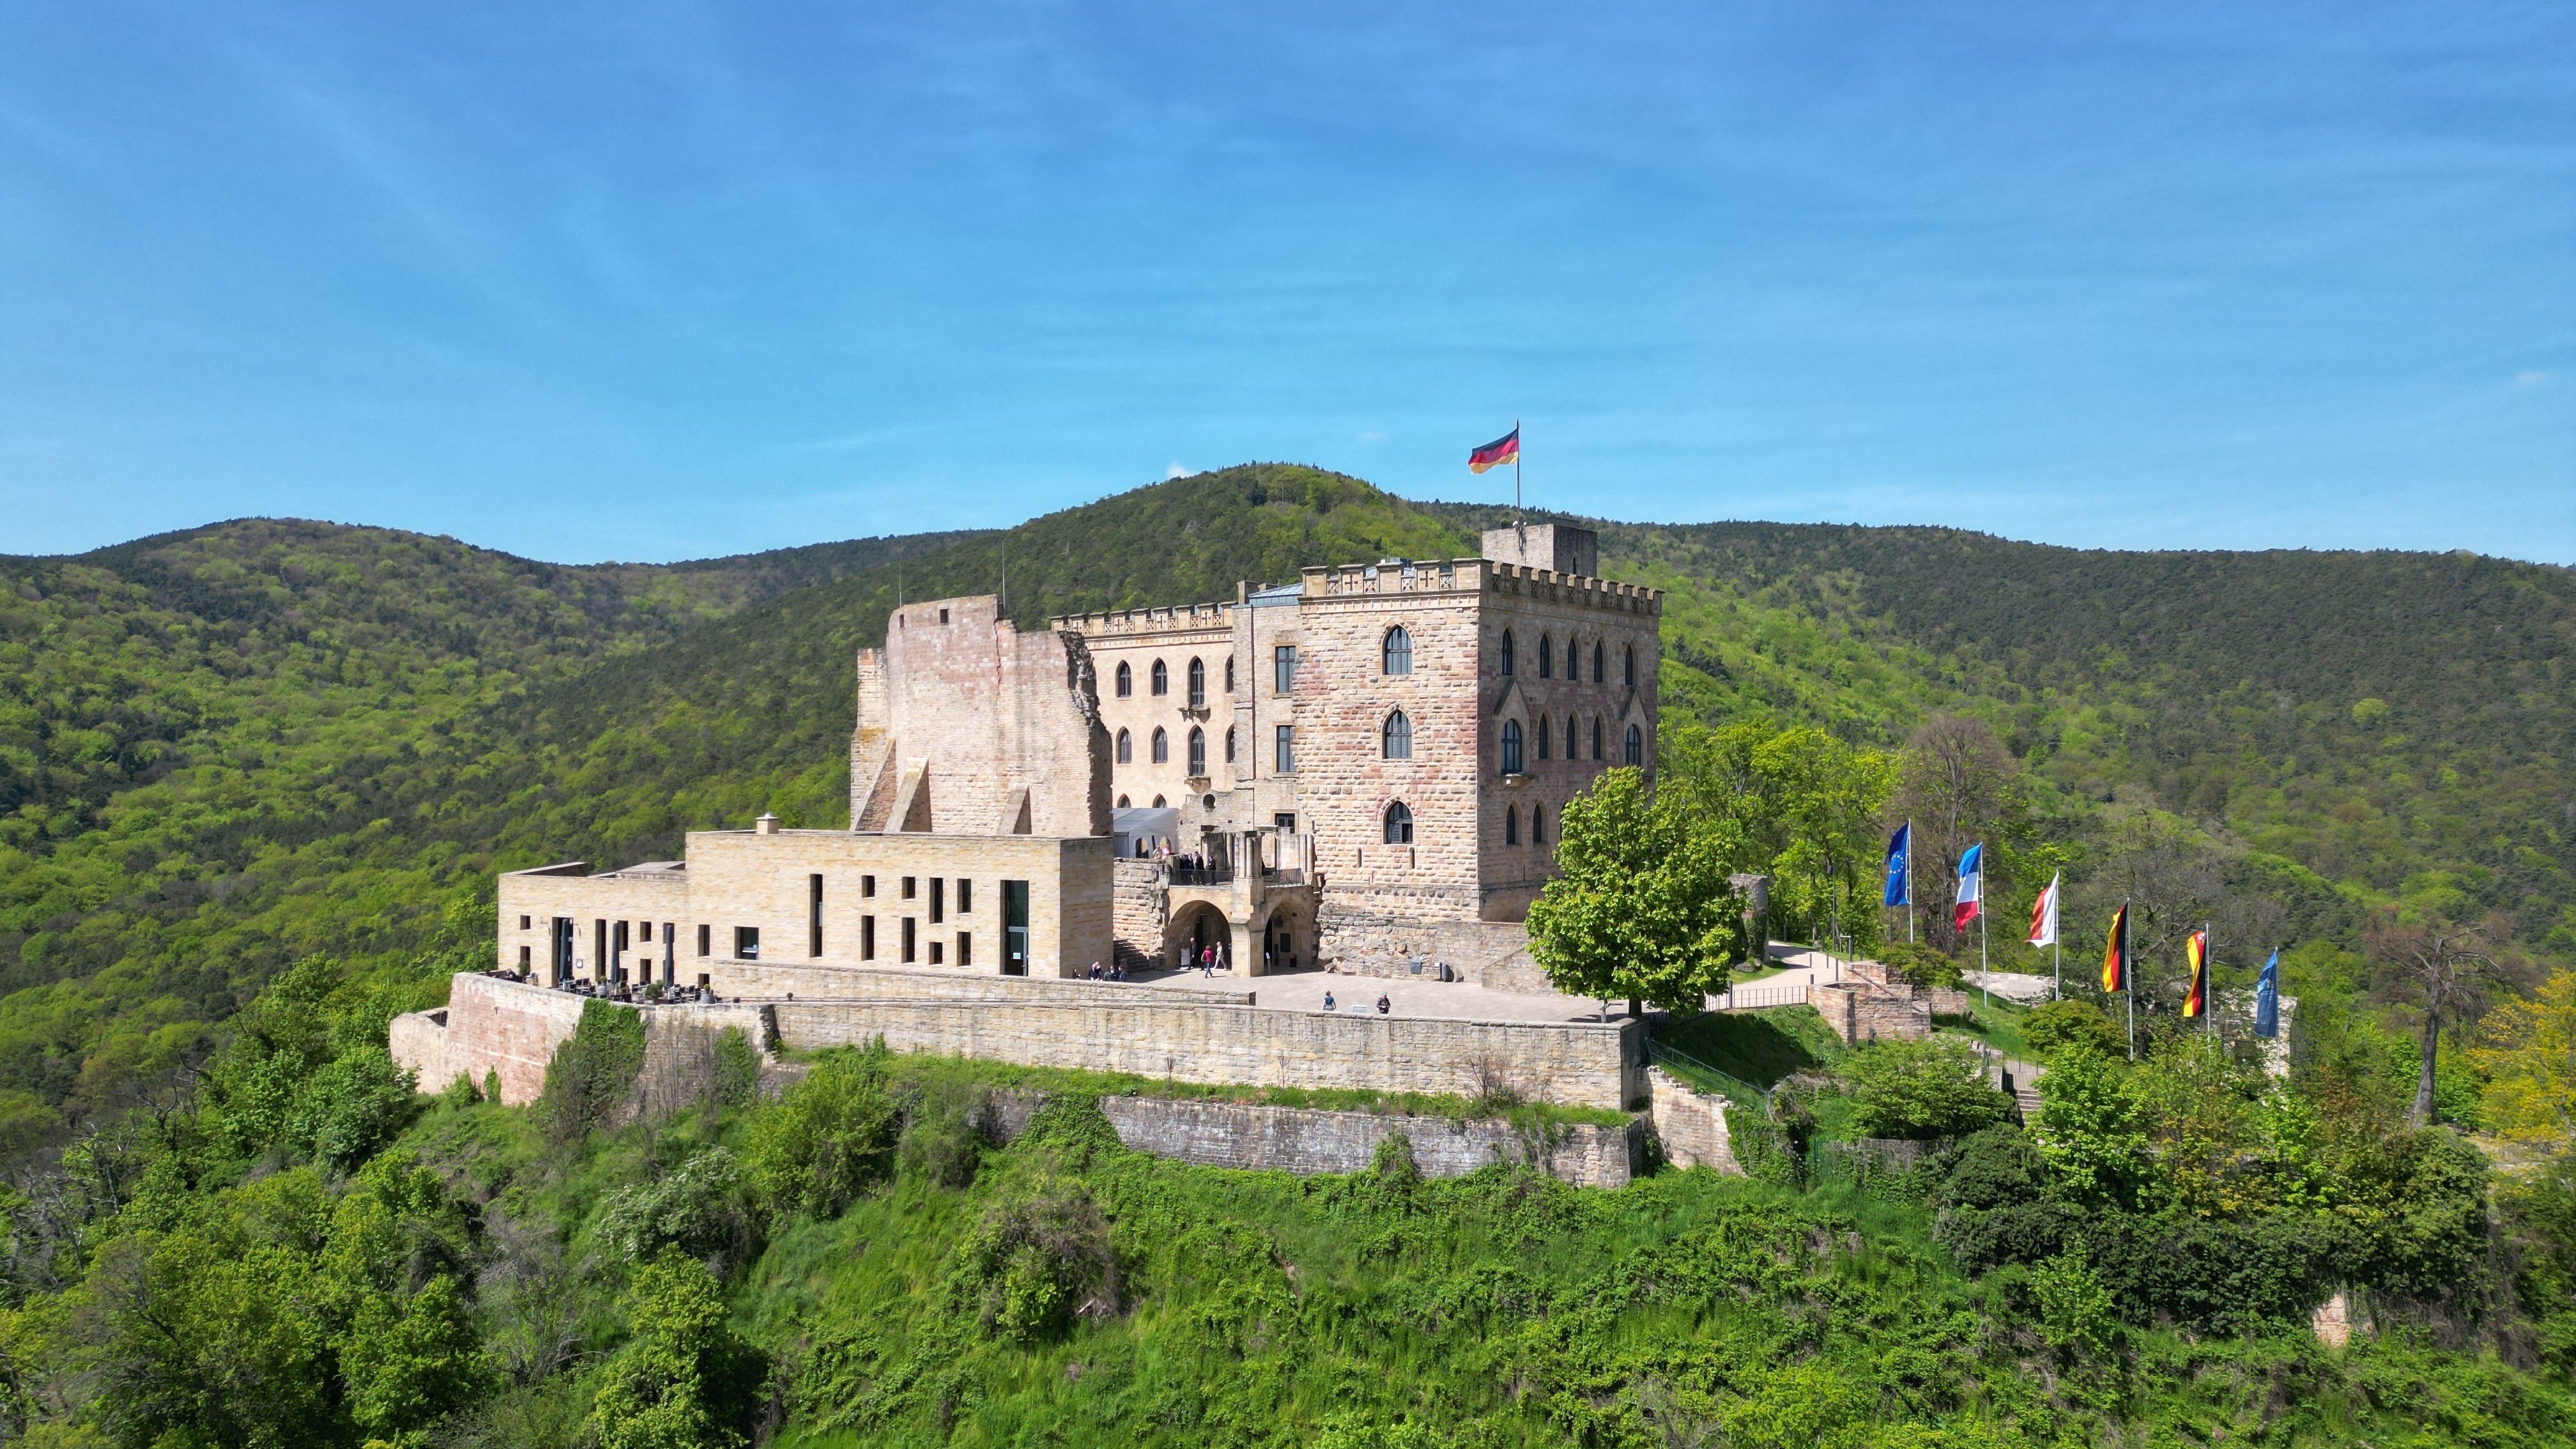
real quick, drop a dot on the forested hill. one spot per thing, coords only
(2403, 723)
(224, 749)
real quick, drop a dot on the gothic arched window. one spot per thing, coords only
(1511, 747)
(1229, 674)
(1573, 741)
(1399, 824)
(1538, 824)
(1546, 658)
(1198, 685)
(1229, 744)
(1126, 744)
(1505, 664)
(1511, 825)
(1636, 745)
(1396, 737)
(1596, 737)
(1198, 751)
(1162, 679)
(1162, 747)
(1632, 666)
(1598, 653)
(1397, 653)
(1126, 680)
(1542, 737)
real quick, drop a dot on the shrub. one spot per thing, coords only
(827, 1139)
(1919, 965)
(354, 1106)
(1921, 1089)
(1035, 1264)
(943, 1136)
(591, 1073)
(696, 1210)
(2055, 1027)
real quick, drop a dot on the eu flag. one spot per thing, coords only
(1899, 879)
(2267, 998)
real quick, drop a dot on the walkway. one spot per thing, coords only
(1408, 996)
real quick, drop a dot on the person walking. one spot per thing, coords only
(1383, 1005)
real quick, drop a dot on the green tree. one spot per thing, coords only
(1797, 805)
(1919, 1089)
(684, 1380)
(826, 1139)
(1640, 906)
(411, 1361)
(2093, 1131)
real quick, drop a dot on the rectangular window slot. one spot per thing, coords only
(965, 896)
(935, 948)
(706, 940)
(813, 915)
(867, 938)
(938, 900)
(907, 887)
(868, 887)
(965, 949)
(910, 926)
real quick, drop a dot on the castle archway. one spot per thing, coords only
(1196, 927)
(1284, 938)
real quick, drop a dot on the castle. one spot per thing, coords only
(1361, 770)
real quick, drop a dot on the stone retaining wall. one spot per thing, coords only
(1584, 1064)
(1691, 1126)
(774, 982)
(490, 1025)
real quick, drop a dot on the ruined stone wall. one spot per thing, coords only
(489, 1025)
(1862, 1011)
(1692, 1127)
(1140, 910)
(983, 730)
(1306, 1141)
(1491, 954)
(1576, 1063)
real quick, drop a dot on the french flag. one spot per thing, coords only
(1972, 884)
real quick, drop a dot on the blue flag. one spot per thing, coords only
(1899, 879)
(2267, 998)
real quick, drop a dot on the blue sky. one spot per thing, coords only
(655, 281)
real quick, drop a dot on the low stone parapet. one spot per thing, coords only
(762, 981)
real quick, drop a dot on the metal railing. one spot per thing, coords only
(1757, 998)
(1700, 1074)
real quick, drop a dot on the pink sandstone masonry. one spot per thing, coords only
(489, 1025)
(1691, 1126)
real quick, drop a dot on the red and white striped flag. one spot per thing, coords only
(2043, 916)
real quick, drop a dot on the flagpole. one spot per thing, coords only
(1909, 880)
(2209, 978)
(1517, 442)
(1985, 973)
(2129, 981)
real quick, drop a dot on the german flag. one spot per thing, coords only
(2115, 959)
(2196, 946)
(1505, 449)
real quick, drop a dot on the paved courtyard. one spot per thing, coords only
(1406, 996)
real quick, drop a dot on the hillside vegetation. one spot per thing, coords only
(254, 780)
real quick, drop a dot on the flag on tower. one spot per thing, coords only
(2115, 957)
(1972, 879)
(1505, 449)
(1900, 881)
(2267, 998)
(2043, 916)
(2195, 1002)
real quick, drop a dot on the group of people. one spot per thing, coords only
(1115, 971)
(1383, 1004)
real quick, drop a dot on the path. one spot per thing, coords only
(1408, 996)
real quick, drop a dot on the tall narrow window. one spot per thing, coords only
(1511, 747)
(911, 938)
(1126, 745)
(1161, 680)
(965, 896)
(1398, 651)
(911, 886)
(868, 886)
(1284, 759)
(1538, 824)
(1126, 679)
(1542, 737)
(1229, 674)
(1398, 737)
(706, 940)
(1198, 685)
(965, 949)
(1598, 653)
(1511, 825)
(867, 938)
(1503, 661)
(1283, 669)
(1162, 746)
(1198, 751)
(938, 899)
(1229, 744)
(1636, 746)
(1399, 824)
(1573, 741)
(1632, 666)
(1596, 737)
(813, 915)
(1546, 658)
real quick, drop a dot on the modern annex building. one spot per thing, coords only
(1361, 769)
